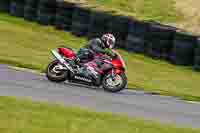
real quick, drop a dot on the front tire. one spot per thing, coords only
(56, 76)
(117, 87)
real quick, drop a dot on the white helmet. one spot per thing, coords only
(109, 40)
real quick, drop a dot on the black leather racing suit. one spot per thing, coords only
(86, 54)
(94, 46)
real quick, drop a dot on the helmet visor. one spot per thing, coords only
(110, 43)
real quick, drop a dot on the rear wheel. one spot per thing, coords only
(54, 73)
(114, 85)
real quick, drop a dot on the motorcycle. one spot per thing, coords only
(101, 71)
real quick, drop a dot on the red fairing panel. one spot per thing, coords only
(119, 66)
(67, 53)
(117, 63)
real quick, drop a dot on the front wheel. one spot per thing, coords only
(54, 74)
(114, 85)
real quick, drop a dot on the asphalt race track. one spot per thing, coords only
(133, 103)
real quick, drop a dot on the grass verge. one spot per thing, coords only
(28, 45)
(162, 11)
(22, 116)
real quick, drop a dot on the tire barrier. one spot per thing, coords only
(183, 49)
(30, 10)
(80, 21)
(17, 8)
(64, 14)
(32, 3)
(136, 40)
(119, 27)
(196, 66)
(4, 5)
(197, 56)
(159, 49)
(99, 24)
(135, 44)
(46, 12)
(149, 38)
(160, 40)
(138, 28)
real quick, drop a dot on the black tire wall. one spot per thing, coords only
(136, 39)
(46, 13)
(147, 37)
(99, 24)
(81, 21)
(197, 56)
(64, 13)
(118, 26)
(17, 8)
(183, 49)
(160, 40)
(4, 5)
(30, 10)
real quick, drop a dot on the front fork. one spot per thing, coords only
(113, 75)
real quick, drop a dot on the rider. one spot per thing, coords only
(103, 45)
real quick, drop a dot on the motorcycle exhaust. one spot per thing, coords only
(62, 60)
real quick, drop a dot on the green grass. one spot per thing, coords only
(28, 45)
(159, 10)
(23, 116)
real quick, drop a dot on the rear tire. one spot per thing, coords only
(53, 76)
(116, 88)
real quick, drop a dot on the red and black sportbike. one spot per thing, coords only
(102, 71)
